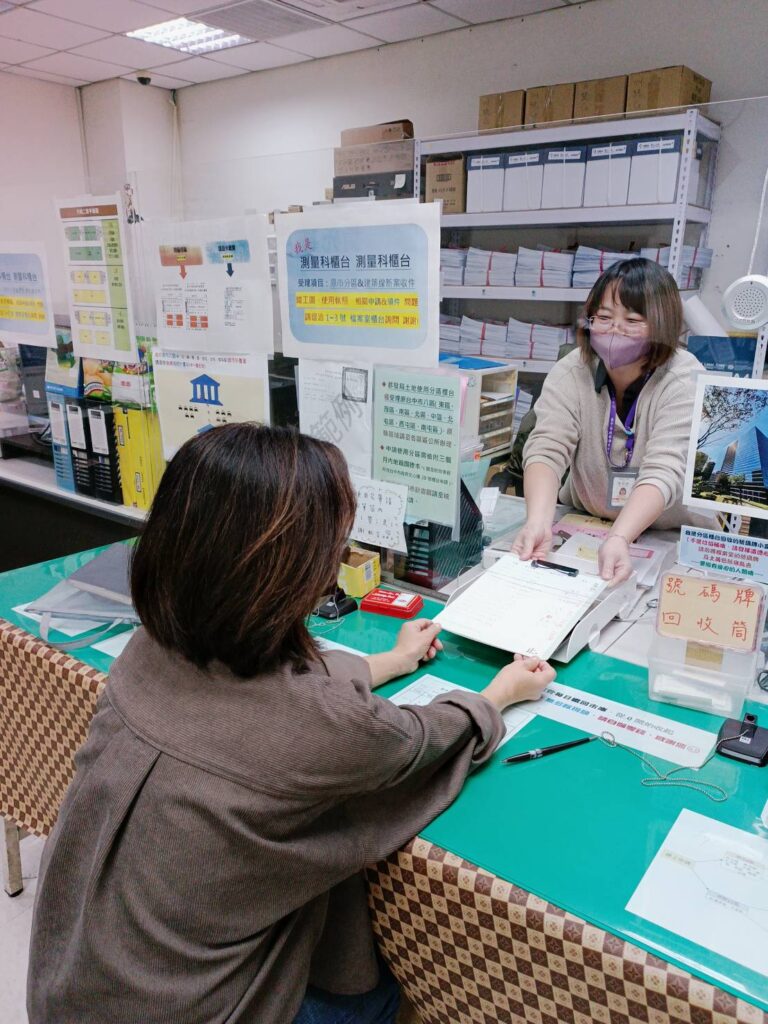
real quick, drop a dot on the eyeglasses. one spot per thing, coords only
(602, 324)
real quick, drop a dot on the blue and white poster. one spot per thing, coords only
(26, 316)
(361, 280)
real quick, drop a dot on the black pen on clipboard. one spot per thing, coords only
(567, 570)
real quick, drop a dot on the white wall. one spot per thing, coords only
(233, 130)
(41, 160)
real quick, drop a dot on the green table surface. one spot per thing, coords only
(576, 829)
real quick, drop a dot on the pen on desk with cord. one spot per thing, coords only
(534, 755)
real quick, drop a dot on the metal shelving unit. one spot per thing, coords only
(656, 214)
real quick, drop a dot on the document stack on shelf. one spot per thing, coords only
(452, 262)
(478, 267)
(449, 333)
(543, 268)
(693, 259)
(535, 341)
(494, 269)
(522, 408)
(482, 337)
(590, 263)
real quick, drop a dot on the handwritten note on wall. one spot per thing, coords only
(710, 612)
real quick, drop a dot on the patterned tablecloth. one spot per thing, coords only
(467, 947)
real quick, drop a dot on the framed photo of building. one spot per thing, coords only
(727, 468)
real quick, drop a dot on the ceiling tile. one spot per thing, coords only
(134, 53)
(12, 51)
(479, 11)
(327, 41)
(35, 27)
(258, 56)
(44, 76)
(200, 69)
(334, 10)
(406, 23)
(112, 15)
(72, 65)
(162, 81)
(184, 8)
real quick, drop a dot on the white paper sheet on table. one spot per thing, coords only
(517, 607)
(380, 513)
(632, 727)
(424, 690)
(115, 645)
(336, 405)
(331, 645)
(709, 883)
(69, 627)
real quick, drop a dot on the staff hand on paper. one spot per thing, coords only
(534, 540)
(523, 679)
(613, 559)
(417, 641)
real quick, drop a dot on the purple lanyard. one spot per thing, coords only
(627, 426)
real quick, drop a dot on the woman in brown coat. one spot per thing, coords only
(206, 864)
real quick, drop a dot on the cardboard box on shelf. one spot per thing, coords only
(389, 131)
(501, 110)
(485, 183)
(375, 158)
(447, 180)
(666, 87)
(549, 103)
(600, 96)
(360, 573)
(390, 185)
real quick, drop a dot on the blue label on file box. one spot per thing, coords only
(609, 150)
(567, 155)
(485, 162)
(666, 144)
(530, 157)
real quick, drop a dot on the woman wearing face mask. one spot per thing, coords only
(615, 417)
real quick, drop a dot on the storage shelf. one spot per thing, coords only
(568, 132)
(522, 365)
(525, 294)
(40, 478)
(657, 213)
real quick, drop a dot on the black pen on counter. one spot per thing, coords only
(533, 755)
(567, 570)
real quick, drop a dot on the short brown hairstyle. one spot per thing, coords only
(648, 290)
(245, 534)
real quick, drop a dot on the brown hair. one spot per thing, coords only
(246, 532)
(648, 290)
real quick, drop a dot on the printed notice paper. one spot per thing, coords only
(724, 552)
(380, 514)
(26, 316)
(214, 292)
(197, 392)
(98, 282)
(427, 687)
(335, 404)
(517, 607)
(416, 439)
(632, 727)
(361, 280)
(709, 883)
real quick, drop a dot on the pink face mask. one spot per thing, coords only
(619, 349)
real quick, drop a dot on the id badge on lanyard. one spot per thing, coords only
(621, 479)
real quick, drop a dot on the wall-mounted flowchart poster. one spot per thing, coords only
(416, 439)
(361, 280)
(199, 391)
(98, 282)
(26, 316)
(213, 288)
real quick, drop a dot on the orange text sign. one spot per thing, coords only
(710, 611)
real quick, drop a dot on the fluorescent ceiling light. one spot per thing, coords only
(189, 36)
